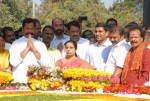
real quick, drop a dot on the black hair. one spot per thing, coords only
(105, 26)
(36, 20)
(83, 34)
(117, 28)
(74, 23)
(47, 26)
(112, 19)
(66, 25)
(5, 29)
(27, 21)
(17, 33)
(142, 32)
(74, 44)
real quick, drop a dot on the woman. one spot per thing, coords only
(71, 60)
(4, 56)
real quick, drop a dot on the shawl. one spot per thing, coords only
(136, 64)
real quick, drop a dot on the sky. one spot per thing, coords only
(107, 3)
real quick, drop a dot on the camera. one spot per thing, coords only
(82, 18)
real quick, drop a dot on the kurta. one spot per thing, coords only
(132, 76)
(20, 66)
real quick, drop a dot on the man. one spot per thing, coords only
(118, 52)
(82, 44)
(97, 53)
(112, 22)
(8, 34)
(37, 32)
(137, 63)
(54, 53)
(27, 51)
(59, 37)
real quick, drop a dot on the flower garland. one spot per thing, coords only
(126, 89)
(42, 78)
(85, 80)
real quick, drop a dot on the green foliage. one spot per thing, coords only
(13, 12)
(122, 11)
(71, 10)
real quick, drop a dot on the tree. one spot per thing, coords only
(13, 12)
(71, 10)
(122, 10)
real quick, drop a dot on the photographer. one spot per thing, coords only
(80, 19)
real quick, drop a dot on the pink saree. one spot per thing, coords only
(76, 63)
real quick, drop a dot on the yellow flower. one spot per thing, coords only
(5, 77)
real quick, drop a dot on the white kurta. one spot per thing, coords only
(20, 66)
(117, 56)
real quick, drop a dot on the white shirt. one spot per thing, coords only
(7, 45)
(20, 66)
(97, 55)
(82, 47)
(117, 56)
(56, 41)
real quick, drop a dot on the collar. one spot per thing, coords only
(106, 43)
(120, 43)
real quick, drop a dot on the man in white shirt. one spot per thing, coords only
(27, 51)
(59, 37)
(82, 44)
(118, 52)
(97, 53)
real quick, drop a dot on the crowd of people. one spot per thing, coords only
(123, 52)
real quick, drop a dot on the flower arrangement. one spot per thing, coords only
(44, 78)
(126, 89)
(5, 77)
(5, 81)
(87, 80)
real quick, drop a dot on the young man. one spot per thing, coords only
(97, 53)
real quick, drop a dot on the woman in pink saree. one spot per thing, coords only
(71, 60)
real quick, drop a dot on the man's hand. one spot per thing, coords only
(60, 47)
(30, 44)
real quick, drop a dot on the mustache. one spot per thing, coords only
(29, 33)
(133, 42)
(75, 36)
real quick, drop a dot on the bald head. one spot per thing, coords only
(58, 24)
(57, 19)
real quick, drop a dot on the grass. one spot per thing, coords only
(41, 98)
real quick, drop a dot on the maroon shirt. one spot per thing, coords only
(132, 76)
